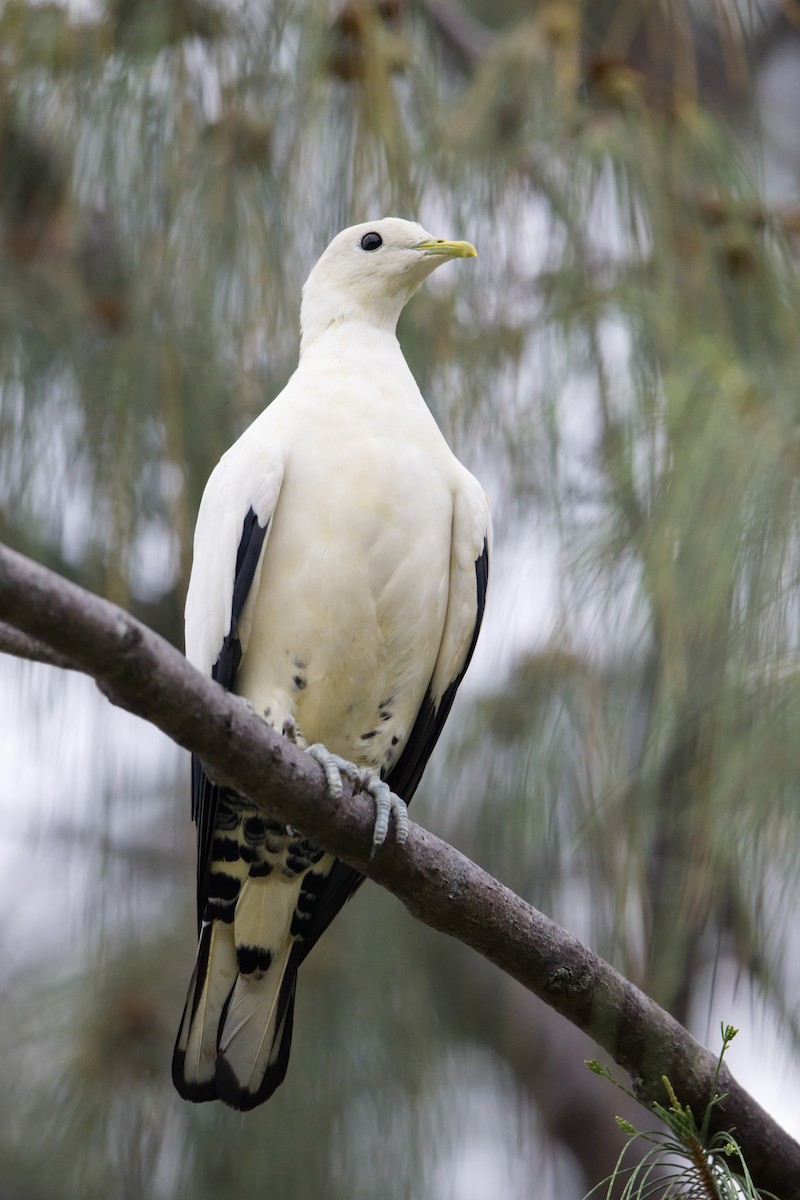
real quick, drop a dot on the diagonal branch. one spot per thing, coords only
(21, 645)
(142, 673)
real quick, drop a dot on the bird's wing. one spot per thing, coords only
(470, 550)
(232, 531)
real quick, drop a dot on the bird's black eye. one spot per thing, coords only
(371, 241)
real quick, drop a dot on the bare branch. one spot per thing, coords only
(142, 673)
(21, 645)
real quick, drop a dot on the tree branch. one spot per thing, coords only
(21, 645)
(140, 672)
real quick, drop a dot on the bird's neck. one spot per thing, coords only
(339, 330)
(374, 310)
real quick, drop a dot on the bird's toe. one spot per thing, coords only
(335, 767)
(387, 805)
(364, 779)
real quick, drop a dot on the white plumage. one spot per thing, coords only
(340, 567)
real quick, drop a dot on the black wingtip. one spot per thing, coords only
(197, 1093)
(230, 1091)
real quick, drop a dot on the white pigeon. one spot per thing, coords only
(340, 569)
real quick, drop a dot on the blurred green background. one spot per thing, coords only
(620, 367)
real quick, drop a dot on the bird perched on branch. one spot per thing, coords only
(340, 569)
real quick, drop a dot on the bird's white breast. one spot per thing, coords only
(346, 622)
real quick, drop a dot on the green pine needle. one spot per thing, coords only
(683, 1162)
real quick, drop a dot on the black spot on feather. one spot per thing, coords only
(222, 886)
(254, 831)
(216, 910)
(260, 870)
(310, 888)
(251, 959)
(299, 682)
(225, 849)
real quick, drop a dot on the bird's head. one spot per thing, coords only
(369, 272)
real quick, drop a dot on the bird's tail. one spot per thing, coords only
(234, 1039)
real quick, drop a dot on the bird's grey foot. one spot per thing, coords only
(387, 804)
(364, 779)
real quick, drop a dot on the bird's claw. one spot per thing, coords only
(334, 767)
(364, 779)
(387, 804)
